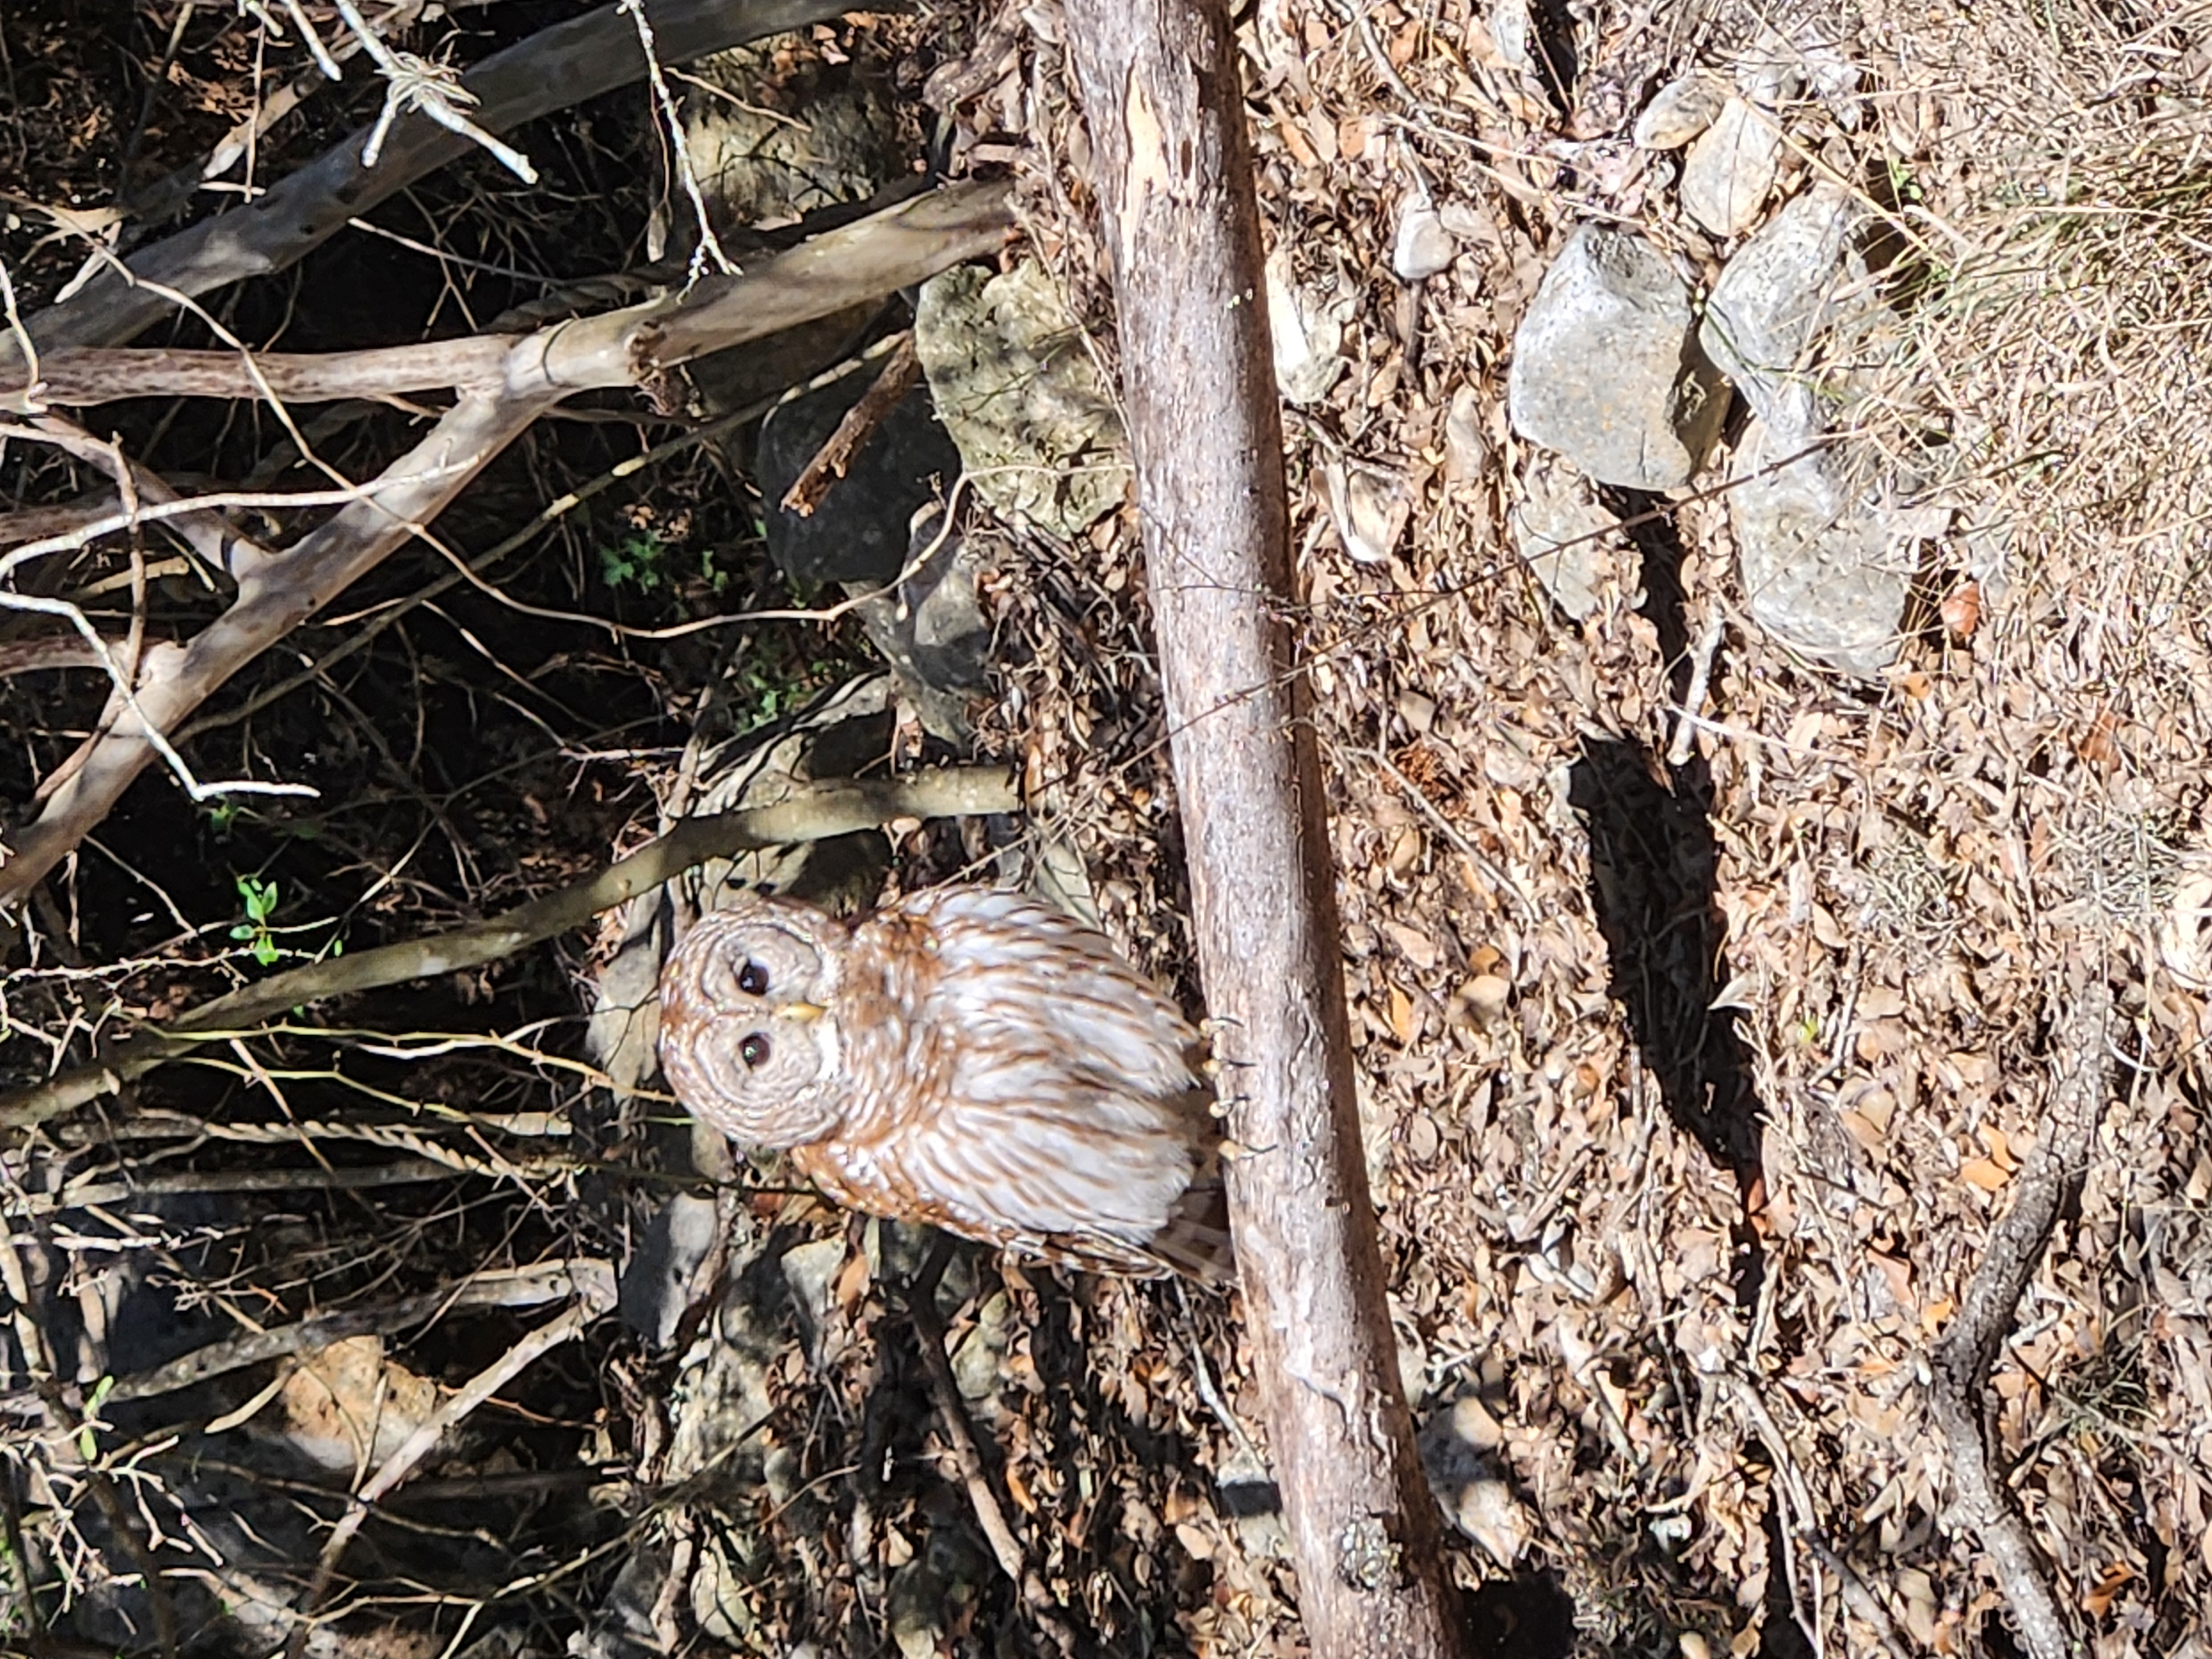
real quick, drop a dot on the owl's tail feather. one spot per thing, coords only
(1195, 1240)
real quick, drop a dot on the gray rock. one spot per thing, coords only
(777, 130)
(657, 1283)
(1825, 564)
(1678, 112)
(1422, 247)
(1306, 332)
(809, 1273)
(1606, 367)
(931, 629)
(859, 532)
(1827, 532)
(1776, 294)
(1042, 439)
(1729, 172)
(1568, 539)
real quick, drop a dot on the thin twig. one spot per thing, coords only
(930, 1336)
(817, 813)
(1963, 1356)
(525, 1287)
(594, 1296)
(889, 389)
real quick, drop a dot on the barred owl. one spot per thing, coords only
(965, 1058)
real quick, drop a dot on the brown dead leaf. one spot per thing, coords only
(852, 1280)
(2098, 1601)
(1195, 1543)
(1402, 1015)
(2000, 1146)
(1962, 610)
(1984, 1173)
(1898, 1274)
(2098, 746)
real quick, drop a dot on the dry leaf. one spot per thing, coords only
(1985, 1173)
(2097, 745)
(1898, 1274)
(1962, 610)
(2098, 1601)
(1402, 1015)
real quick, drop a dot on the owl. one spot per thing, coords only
(966, 1058)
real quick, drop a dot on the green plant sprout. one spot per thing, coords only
(642, 558)
(259, 898)
(87, 1436)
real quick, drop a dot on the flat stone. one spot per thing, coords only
(1826, 567)
(1775, 294)
(1307, 333)
(1730, 170)
(1606, 367)
(1678, 112)
(1422, 247)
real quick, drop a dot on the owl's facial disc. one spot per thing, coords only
(748, 1042)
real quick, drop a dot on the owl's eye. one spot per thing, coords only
(754, 1049)
(752, 980)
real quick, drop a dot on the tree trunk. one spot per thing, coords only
(1161, 90)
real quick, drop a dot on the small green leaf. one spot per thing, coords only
(87, 1437)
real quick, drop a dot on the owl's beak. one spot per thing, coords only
(805, 1012)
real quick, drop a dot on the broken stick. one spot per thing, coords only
(1162, 91)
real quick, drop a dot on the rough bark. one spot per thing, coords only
(1160, 91)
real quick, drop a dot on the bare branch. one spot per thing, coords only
(1174, 180)
(1959, 1395)
(273, 600)
(859, 261)
(84, 376)
(522, 1287)
(595, 1295)
(557, 68)
(905, 243)
(884, 394)
(814, 814)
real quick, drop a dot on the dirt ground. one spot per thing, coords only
(1704, 999)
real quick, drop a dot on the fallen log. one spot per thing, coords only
(1162, 95)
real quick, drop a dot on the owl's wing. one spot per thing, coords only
(1108, 1184)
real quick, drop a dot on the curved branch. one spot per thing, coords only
(908, 242)
(903, 244)
(1959, 1394)
(812, 814)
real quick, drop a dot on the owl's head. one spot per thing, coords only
(749, 1038)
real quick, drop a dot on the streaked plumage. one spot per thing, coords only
(966, 1058)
